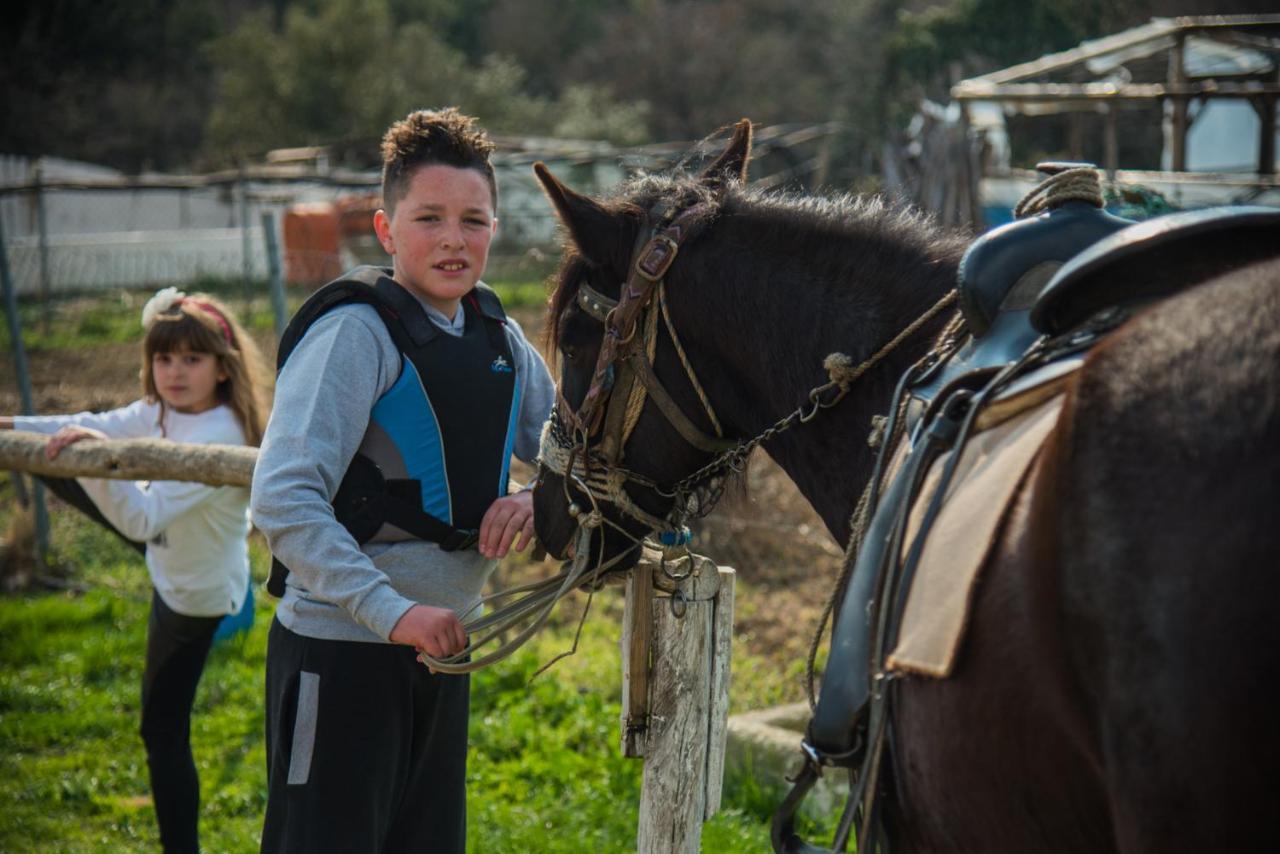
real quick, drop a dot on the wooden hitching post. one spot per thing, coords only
(682, 732)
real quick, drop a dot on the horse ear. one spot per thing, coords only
(598, 233)
(731, 165)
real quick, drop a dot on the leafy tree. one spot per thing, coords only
(116, 83)
(340, 74)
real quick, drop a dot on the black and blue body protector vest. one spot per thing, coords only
(437, 450)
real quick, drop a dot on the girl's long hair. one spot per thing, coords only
(200, 323)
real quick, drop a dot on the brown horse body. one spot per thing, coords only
(1110, 691)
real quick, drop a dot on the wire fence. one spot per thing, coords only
(74, 227)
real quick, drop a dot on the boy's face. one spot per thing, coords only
(439, 233)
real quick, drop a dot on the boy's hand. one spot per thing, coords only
(506, 517)
(435, 631)
(69, 436)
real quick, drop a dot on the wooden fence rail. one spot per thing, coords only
(130, 459)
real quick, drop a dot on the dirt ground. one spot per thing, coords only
(770, 535)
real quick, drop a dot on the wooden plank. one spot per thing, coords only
(130, 459)
(674, 791)
(1156, 31)
(1178, 76)
(1110, 144)
(721, 660)
(1052, 62)
(637, 640)
(1266, 109)
(980, 91)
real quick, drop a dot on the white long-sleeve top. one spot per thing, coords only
(196, 535)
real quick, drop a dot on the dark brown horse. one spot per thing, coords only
(1111, 690)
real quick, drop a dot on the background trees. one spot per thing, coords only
(201, 83)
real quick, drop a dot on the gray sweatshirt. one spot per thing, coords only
(337, 589)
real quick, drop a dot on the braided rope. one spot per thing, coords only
(593, 475)
(1082, 184)
(688, 367)
(839, 366)
(635, 403)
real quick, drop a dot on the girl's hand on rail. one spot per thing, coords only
(69, 436)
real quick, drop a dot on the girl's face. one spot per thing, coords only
(186, 381)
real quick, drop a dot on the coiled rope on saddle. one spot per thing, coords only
(1074, 184)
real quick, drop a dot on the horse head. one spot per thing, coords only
(625, 381)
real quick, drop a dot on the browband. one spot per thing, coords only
(595, 303)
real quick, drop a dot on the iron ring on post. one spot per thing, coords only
(679, 605)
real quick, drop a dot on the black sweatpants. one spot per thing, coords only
(366, 749)
(177, 646)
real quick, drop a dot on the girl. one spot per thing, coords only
(202, 382)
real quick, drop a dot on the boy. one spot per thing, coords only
(381, 487)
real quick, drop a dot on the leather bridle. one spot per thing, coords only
(623, 377)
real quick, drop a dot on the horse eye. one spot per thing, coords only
(570, 353)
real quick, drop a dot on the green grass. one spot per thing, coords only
(545, 771)
(112, 316)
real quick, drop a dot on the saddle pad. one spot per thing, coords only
(992, 464)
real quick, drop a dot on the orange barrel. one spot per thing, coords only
(311, 239)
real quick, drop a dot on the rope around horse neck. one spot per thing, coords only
(841, 377)
(947, 339)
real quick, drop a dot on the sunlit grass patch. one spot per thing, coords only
(545, 773)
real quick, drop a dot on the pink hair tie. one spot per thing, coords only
(217, 315)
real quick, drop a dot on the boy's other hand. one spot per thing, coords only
(505, 518)
(435, 631)
(69, 436)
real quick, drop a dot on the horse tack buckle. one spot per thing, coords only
(656, 257)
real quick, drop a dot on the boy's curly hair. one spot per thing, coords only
(429, 137)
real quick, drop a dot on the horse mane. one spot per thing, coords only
(880, 228)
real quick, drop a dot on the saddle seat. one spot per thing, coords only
(1185, 248)
(1001, 277)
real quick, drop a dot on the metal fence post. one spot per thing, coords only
(275, 275)
(42, 224)
(24, 388)
(245, 241)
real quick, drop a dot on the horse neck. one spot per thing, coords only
(778, 322)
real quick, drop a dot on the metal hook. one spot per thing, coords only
(679, 605)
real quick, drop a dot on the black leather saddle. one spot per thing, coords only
(1001, 277)
(1042, 276)
(1184, 248)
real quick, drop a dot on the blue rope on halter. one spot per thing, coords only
(670, 539)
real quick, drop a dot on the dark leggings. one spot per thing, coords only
(70, 491)
(177, 646)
